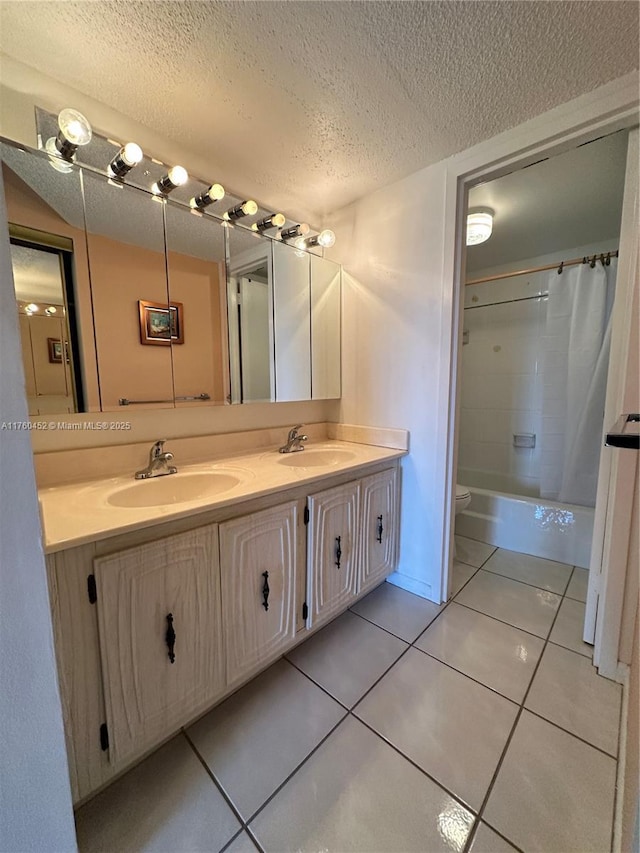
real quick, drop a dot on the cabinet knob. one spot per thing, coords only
(265, 590)
(338, 551)
(380, 528)
(170, 637)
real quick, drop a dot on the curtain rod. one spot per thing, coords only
(559, 266)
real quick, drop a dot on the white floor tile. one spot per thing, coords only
(578, 585)
(347, 656)
(404, 614)
(357, 794)
(255, 739)
(488, 841)
(545, 574)
(553, 792)
(450, 726)
(569, 626)
(461, 574)
(520, 605)
(567, 690)
(472, 552)
(166, 803)
(502, 657)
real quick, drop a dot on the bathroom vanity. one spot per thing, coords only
(169, 594)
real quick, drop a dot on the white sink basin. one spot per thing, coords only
(312, 458)
(173, 489)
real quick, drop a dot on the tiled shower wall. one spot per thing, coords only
(501, 377)
(501, 385)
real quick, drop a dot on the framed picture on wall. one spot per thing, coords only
(161, 324)
(55, 350)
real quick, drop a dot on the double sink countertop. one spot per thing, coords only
(78, 513)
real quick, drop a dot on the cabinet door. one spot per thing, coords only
(331, 550)
(380, 527)
(147, 694)
(258, 578)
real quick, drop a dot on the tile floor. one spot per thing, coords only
(479, 726)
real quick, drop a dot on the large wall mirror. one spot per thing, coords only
(127, 301)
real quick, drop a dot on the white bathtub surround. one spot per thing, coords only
(574, 380)
(555, 531)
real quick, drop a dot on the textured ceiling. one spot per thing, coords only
(318, 103)
(574, 199)
(36, 276)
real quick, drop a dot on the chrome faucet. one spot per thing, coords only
(158, 463)
(294, 441)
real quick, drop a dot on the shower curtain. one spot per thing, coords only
(575, 360)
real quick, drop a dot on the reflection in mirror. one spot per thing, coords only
(292, 313)
(250, 309)
(195, 263)
(325, 329)
(132, 320)
(46, 224)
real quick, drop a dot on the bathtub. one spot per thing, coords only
(530, 525)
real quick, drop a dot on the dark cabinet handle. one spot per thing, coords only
(170, 637)
(380, 528)
(338, 551)
(265, 590)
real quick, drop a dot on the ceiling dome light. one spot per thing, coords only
(176, 177)
(479, 226)
(128, 157)
(245, 208)
(213, 194)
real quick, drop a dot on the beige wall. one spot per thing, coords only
(630, 814)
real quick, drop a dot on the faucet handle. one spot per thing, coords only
(293, 432)
(156, 450)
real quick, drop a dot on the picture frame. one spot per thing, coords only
(55, 350)
(161, 324)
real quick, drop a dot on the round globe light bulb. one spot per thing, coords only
(132, 154)
(249, 208)
(303, 229)
(32, 308)
(178, 175)
(74, 127)
(50, 311)
(326, 238)
(278, 220)
(300, 243)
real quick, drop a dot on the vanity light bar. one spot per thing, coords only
(300, 230)
(175, 177)
(213, 194)
(245, 208)
(126, 158)
(275, 220)
(74, 130)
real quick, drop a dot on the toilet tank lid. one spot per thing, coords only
(461, 491)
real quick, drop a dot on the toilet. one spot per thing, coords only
(463, 498)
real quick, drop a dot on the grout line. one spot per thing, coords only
(317, 684)
(510, 624)
(254, 839)
(242, 831)
(526, 583)
(217, 784)
(573, 734)
(522, 583)
(586, 657)
(497, 832)
(295, 770)
(513, 729)
(371, 622)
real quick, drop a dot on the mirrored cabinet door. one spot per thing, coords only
(196, 270)
(51, 279)
(326, 300)
(292, 322)
(250, 317)
(133, 320)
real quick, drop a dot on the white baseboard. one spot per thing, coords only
(412, 585)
